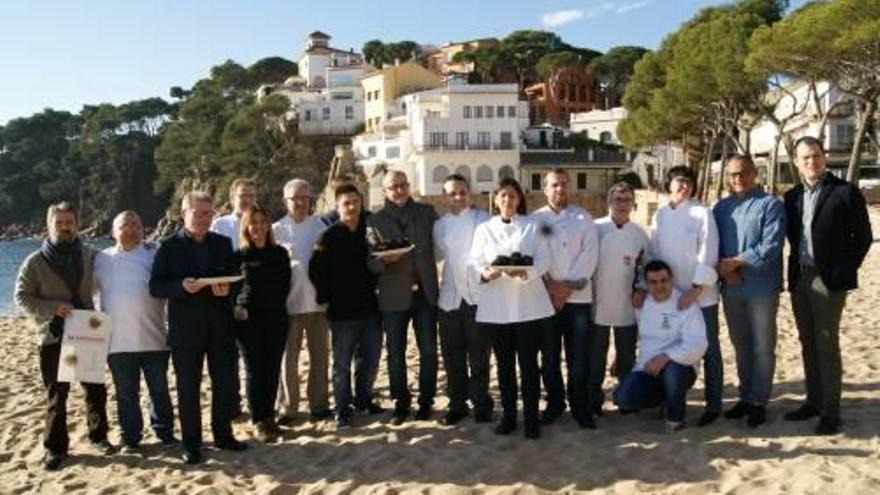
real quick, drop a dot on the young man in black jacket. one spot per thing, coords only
(340, 271)
(830, 234)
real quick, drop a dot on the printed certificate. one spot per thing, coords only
(84, 347)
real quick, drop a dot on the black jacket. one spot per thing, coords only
(338, 270)
(841, 233)
(267, 281)
(190, 316)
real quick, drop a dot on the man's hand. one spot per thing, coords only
(733, 278)
(689, 297)
(240, 313)
(191, 286)
(489, 274)
(656, 364)
(63, 310)
(638, 298)
(728, 265)
(220, 290)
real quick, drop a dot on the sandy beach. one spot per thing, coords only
(626, 455)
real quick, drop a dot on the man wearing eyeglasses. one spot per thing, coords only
(407, 292)
(751, 229)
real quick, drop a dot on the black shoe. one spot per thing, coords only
(371, 408)
(482, 416)
(453, 417)
(424, 413)
(828, 425)
(102, 447)
(192, 457)
(231, 444)
(740, 410)
(169, 441)
(52, 461)
(708, 418)
(548, 416)
(585, 421)
(757, 416)
(533, 431)
(598, 411)
(286, 419)
(321, 415)
(802, 413)
(401, 414)
(505, 426)
(343, 420)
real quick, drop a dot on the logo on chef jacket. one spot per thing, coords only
(669, 319)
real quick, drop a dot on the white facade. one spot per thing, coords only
(600, 125)
(319, 57)
(473, 130)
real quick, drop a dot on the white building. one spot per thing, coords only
(472, 130)
(327, 97)
(600, 125)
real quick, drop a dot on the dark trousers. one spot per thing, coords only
(625, 338)
(126, 368)
(817, 311)
(713, 365)
(424, 319)
(358, 341)
(669, 388)
(568, 329)
(465, 345)
(512, 343)
(55, 437)
(218, 346)
(262, 341)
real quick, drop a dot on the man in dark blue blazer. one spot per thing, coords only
(829, 234)
(200, 322)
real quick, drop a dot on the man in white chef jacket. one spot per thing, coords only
(672, 341)
(624, 248)
(574, 251)
(465, 347)
(138, 336)
(298, 231)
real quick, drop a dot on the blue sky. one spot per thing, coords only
(66, 53)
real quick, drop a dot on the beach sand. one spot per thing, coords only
(626, 455)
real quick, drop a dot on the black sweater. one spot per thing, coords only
(267, 281)
(338, 270)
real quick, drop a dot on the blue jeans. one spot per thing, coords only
(126, 368)
(359, 341)
(751, 323)
(713, 366)
(669, 388)
(625, 339)
(572, 327)
(424, 319)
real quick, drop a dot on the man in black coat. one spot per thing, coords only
(200, 322)
(829, 234)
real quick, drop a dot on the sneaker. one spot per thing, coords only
(128, 449)
(343, 420)
(708, 418)
(52, 461)
(802, 413)
(102, 447)
(674, 426)
(756, 417)
(740, 410)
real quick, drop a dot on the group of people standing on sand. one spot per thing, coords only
(331, 282)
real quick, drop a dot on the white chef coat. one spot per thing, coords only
(622, 250)
(686, 238)
(509, 299)
(299, 239)
(123, 280)
(229, 226)
(574, 246)
(681, 334)
(453, 235)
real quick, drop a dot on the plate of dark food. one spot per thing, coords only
(515, 262)
(392, 247)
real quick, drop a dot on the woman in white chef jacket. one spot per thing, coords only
(512, 307)
(684, 235)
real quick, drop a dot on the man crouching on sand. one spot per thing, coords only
(671, 344)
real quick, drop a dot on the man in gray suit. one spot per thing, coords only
(407, 291)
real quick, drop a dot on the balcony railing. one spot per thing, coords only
(497, 146)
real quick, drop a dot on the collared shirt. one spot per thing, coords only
(663, 328)
(811, 196)
(299, 238)
(138, 319)
(453, 235)
(508, 299)
(623, 251)
(752, 227)
(574, 246)
(229, 226)
(686, 238)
